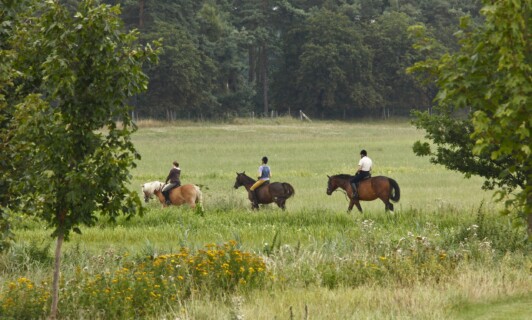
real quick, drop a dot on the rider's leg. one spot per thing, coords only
(166, 193)
(354, 181)
(166, 197)
(253, 192)
(355, 191)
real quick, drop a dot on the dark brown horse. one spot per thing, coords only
(276, 192)
(370, 189)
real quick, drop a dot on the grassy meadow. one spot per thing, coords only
(445, 253)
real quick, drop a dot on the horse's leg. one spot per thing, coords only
(351, 204)
(161, 198)
(357, 203)
(255, 204)
(281, 203)
(387, 204)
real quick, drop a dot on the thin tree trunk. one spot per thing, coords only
(55, 283)
(528, 211)
(264, 72)
(141, 14)
(251, 61)
(529, 216)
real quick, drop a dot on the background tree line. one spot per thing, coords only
(330, 58)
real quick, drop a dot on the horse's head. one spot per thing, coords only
(149, 188)
(240, 179)
(332, 185)
(146, 193)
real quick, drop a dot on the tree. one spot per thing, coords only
(260, 18)
(70, 156)
(490, 80)
(11, 14)
(183, 77)
(330, 65)
(393, 53)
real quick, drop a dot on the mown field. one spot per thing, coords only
(445, 253)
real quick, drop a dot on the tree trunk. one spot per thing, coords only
(264, 76)
(251, 61)
(528, 210)
(529, 219)
(57, 274)
(141, 14)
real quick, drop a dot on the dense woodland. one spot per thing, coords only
(339, 59)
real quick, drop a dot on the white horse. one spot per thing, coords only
(149, 189)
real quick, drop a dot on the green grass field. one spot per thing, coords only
(445, 253)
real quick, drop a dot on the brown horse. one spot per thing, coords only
(369, 189)
(188, 193)
(276, 192)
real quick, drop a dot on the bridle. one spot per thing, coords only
(330, 189)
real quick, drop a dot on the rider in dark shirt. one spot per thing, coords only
(174, 178)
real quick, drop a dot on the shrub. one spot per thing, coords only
(23, 299)
(143, 287)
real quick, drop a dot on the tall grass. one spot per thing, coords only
(444, 247)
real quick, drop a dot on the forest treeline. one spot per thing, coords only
(333, 59)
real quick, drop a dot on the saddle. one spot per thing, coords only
(176, 186)
(365, 178)
(167, 192)
(265, 183)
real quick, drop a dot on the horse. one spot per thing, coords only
(276, 192)
(369, 189)
(148, 189)
(188, 193)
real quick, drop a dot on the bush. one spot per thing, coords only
(23, 299)
(144, 287)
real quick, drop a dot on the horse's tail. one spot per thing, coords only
(199, 195)
(288, 189)
(395, 193)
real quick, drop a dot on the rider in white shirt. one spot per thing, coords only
(364, 168)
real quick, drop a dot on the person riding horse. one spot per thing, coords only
(174, 178)
(264, 175)
(363, 172)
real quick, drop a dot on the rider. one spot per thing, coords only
(264, 175)
(173, 177)
(364, 168)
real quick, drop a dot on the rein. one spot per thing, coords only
(344, 191)
(248, 183)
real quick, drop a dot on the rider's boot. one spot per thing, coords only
(167, 198)
(254, 199)
(355, 191)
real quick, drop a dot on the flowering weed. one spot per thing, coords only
(23, 299)
(141, 288)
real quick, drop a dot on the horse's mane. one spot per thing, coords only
(343, 176)
(246, 176)
(151, 187)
